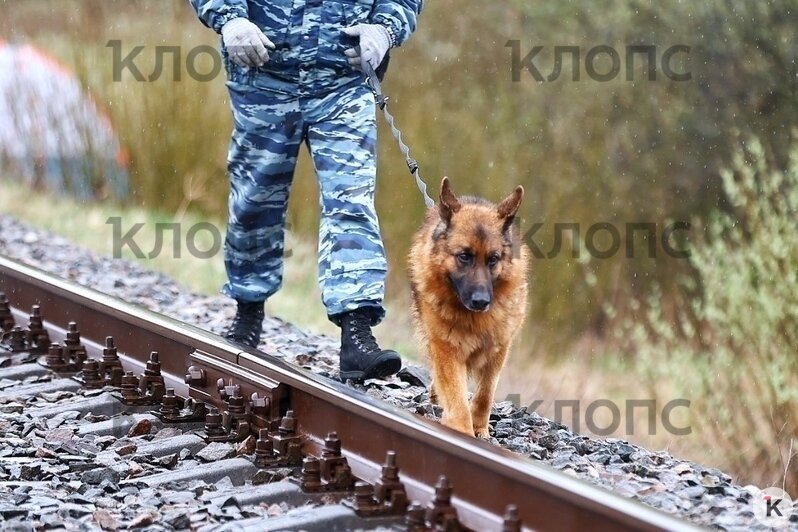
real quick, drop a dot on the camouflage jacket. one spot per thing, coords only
(307, 34)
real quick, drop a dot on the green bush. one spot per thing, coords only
(734, 351)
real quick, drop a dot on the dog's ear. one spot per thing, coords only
(449, 203)
(509, 206)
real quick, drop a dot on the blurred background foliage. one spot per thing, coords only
(733, 349)
(618, 151)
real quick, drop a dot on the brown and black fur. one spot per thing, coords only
(468, 254)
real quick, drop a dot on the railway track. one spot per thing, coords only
(333, 457)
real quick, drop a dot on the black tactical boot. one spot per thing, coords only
(361, 357)
(247, 324)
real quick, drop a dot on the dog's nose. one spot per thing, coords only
(480, 300)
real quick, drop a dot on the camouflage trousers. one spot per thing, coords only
(340, 131)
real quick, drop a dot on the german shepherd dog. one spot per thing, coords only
(468, 272)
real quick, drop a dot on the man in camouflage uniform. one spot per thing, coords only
(294, 76)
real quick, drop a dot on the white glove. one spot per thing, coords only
(245, 43)
(375, 41)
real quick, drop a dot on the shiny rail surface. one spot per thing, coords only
(485, 479)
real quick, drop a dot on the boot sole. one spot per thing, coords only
(378, 370)
(242, 342)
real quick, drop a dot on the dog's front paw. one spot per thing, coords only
(482, 433)
(458, 424)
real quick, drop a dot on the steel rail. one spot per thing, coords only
(485, 478)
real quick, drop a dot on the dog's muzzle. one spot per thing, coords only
(479, 301)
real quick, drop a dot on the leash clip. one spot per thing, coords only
(375, 85)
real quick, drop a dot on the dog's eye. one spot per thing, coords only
(464, 257)
(493, 260)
